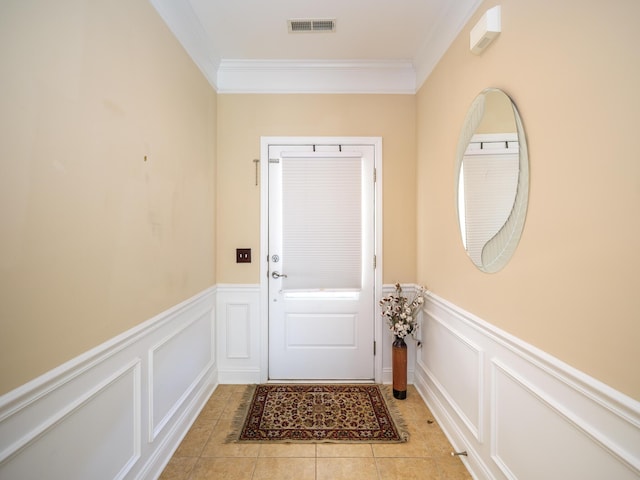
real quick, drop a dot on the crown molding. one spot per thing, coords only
(451, 22)
(316, 76)
(179, 16)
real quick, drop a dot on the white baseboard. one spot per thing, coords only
(121, 409)
(236, 376)
(518, 412)
(387, 375)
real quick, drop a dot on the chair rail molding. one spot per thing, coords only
(509, 405)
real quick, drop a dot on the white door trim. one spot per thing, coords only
(264, 237)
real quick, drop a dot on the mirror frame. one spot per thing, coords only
(506, 239)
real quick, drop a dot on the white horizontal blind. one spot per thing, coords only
(490, 185)
(322, 226)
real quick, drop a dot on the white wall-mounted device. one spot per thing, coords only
(487, 28)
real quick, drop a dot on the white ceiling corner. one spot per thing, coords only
(445, 31)
(186, 27)
(378, 46)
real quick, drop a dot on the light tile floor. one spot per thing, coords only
(204, 455)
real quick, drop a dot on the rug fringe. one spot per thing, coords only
(239, 417)
(394, 411)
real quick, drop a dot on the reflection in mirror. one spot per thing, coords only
(492, 180)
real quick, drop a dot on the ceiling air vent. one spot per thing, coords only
(312, 25)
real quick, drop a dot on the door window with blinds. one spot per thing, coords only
(487, 190)
(322, 229)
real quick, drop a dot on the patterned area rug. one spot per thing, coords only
(317, 414)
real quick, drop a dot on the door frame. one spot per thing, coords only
(264, 239)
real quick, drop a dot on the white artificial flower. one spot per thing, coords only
(400, 313)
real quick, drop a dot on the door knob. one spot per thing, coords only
(278, 275)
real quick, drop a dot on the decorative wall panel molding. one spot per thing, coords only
(520, 406)
(86, 418)
(461, 383)
(517, 411)
(238, 332)
(174, 375)
(91, 412)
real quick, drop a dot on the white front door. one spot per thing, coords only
(321, 262)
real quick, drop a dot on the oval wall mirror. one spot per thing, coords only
(492, 180)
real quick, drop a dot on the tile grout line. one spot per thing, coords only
(381, 460)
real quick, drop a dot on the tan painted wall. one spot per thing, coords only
(571, 289)
(243, 119)
(93, 239)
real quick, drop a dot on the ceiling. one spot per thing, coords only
(378, 45)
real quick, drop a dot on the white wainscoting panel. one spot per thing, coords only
(460, 382)
(238, 332)
(174, 375)
(87, 418)
(520, 406)
(518, 412)
(110, 411)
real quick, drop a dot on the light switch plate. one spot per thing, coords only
(243, 255)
